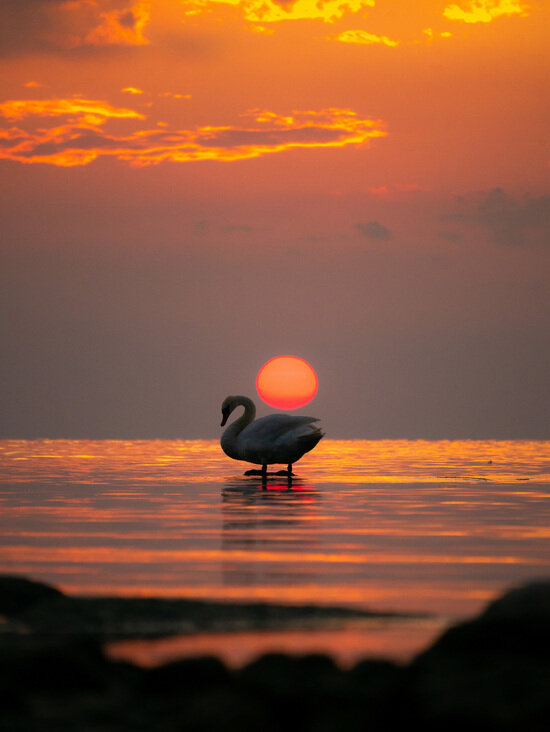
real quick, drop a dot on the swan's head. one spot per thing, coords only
(229, 404)
(232, 402)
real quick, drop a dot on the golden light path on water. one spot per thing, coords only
(412, 526)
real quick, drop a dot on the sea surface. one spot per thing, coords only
(435, 528)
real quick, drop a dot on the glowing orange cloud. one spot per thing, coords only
(268, 11)
(362, 37)
(17, 109)
(121, 27)
(484, 11)
(83, 139)
(431, 34)
(172, 95)
(54, 25)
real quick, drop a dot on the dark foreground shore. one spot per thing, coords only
(491, 673)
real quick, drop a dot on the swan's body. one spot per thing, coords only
(277, 438)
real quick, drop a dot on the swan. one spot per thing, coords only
(277, 438)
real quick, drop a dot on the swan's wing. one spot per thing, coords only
(279, 438)
(274, 427)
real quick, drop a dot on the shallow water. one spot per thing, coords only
(439, 527)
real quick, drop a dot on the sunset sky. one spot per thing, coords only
(189, 188)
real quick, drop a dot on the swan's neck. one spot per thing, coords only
(241, 422)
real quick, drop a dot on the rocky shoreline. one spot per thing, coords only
(491, 673)
(33, 607)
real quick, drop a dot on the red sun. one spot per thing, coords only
(287, 382)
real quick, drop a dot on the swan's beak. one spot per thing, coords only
(225, 415)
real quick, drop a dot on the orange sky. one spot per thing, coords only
(191, 188)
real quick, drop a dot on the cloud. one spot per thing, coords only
(172, 95)
(269, 11)
(121, 27)
(40, 26)
(81, 137)
(17, 109)
(484, 11)
(431, 34)
(510, 221)
(364, 38)
(374, 230)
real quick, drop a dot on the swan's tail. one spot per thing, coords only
(310, 437)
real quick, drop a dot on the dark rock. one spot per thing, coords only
(302, 692)
(375, 676)
(530, 602)
(43, 609)
(493, 671)
(17, 594)
(283, 674)
(516, 625)
(53, 665)
(56, 683)
(226, 710)
(186, 677)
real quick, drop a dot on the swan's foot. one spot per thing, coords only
(265, 474)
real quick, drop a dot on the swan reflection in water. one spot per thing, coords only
(251, 488)
(275, 439)
(252, 513)
(263, 527)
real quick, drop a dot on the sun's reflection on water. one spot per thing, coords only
(336, 461)
(402, 525)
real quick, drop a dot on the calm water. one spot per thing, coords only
(440, 527)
